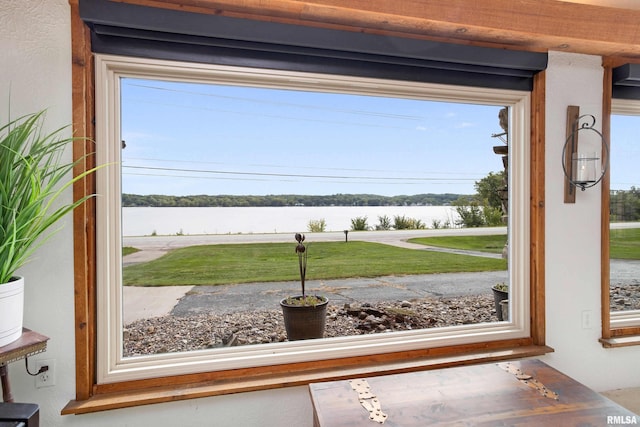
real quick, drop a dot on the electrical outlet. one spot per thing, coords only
(47, 378)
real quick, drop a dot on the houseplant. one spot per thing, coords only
(32, 179)
(500, 293)
(304, 315)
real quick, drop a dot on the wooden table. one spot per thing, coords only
(523, 393)
(28, 344)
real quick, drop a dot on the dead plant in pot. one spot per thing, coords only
(304, 315)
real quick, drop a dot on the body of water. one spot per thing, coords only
(170, 221)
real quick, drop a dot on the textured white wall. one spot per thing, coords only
(573, 239)
(35, 69)
(35, 74)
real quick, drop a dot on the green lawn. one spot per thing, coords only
(268, 262)
(128, 250)
(625, 243)
(223, 264)
(493, 243)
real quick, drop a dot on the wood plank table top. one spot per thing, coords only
(522, 393)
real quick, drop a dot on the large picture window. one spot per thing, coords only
(368, 154)
(624, 213)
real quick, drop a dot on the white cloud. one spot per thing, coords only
(465, 125)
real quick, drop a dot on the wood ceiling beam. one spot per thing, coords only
(534, 25)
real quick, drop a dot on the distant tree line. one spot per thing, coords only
(159, 200)
(625, 205)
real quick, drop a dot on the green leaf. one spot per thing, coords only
(32, 180)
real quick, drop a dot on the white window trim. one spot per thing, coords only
(627, 318)
(113, 367)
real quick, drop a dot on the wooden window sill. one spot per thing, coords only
(170, 393)
(616, 342)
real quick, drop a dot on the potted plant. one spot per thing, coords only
(304, 315)
(32, 178)
(500, 294)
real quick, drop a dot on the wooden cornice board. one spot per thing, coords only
(533, 25)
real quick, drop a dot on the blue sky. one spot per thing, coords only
(625, 152)
(186, 139)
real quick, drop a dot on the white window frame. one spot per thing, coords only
(627, 318)
(113, 367)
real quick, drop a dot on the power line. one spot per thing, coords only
(288, 104)
(291, 175)
(297, 167)
(271, 116)
(443, 182)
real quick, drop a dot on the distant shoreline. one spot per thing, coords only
(288, 200)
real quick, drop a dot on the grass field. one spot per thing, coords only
(129, 250)
(625, 243)
(493, 243)
(268, 262)
(224, 264)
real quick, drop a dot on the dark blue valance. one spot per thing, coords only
(626, 82)
(141, 31)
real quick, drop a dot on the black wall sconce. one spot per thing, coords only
(583, 167)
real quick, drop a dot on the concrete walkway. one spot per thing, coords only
(142, 302)
(152, 247)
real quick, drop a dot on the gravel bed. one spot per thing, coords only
(176, 333)
(625, 297)
(170, 334)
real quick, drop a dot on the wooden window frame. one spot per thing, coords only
(614, 334)
(91, 397)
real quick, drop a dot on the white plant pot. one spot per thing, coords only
(11, 310)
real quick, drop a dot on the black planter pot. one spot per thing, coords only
(303, 322)
(497, 297)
